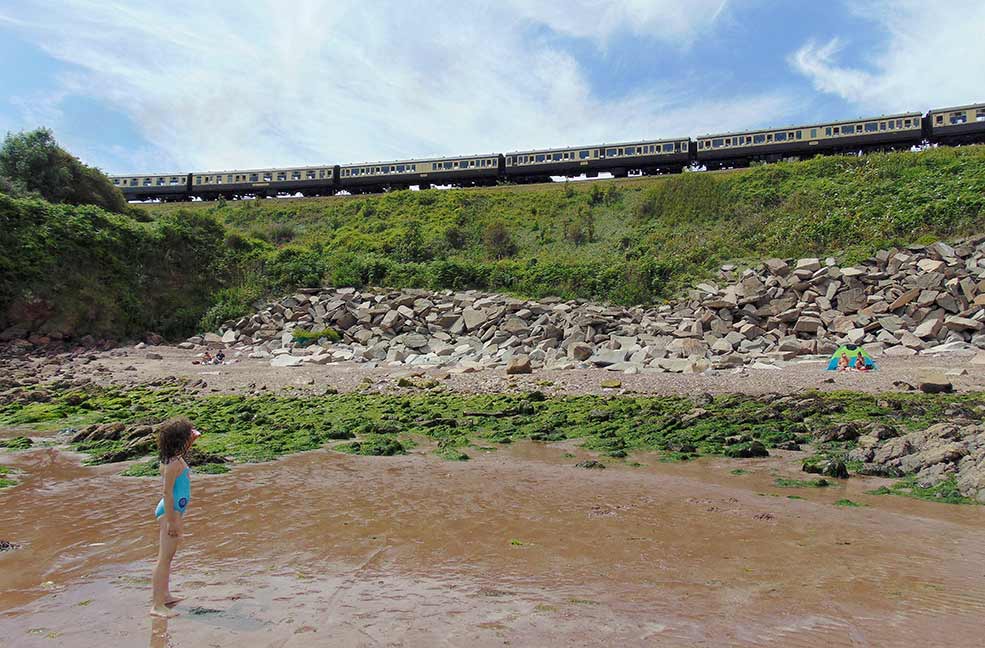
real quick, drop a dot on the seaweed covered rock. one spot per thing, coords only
(591, 464)
(16, 443)
(827, 466)
(746, 450)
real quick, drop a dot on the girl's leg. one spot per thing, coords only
(162, 572)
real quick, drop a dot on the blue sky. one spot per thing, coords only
(183, 85)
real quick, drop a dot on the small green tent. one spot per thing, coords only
(852, 351)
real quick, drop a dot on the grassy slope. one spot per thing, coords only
(651, 236)
(630, 241)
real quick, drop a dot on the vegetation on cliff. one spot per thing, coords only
(632, 241)
(33, 165)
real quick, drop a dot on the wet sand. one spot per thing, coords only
(516, 547)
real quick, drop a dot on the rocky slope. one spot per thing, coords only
(898, 303)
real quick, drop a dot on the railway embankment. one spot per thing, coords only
(75, 271)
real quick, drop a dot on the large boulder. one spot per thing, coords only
(519, 364)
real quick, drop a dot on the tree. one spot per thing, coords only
(32, 163)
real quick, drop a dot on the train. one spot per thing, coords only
(946, 126)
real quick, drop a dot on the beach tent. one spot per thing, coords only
(852, 351)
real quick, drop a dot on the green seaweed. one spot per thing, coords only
(16, 443)
(801, 483)
(945, 492)
(143, 469)
(264, 427)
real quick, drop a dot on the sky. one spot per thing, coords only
(145, 87)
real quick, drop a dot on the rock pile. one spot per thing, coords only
(898, 303)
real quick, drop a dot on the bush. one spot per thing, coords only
(499, 242)
(307, 337)
(32, 164)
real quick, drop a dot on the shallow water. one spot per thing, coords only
(515, 547)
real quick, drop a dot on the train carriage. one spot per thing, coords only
(168, 187)
(619, 159)
(803, 141)
(958, 124)
(310, 181)
(471, 170)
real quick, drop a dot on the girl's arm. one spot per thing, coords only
(171, 472)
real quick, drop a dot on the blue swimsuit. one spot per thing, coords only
(182, 493)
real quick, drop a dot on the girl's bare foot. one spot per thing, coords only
(171, 599)
(163, 612)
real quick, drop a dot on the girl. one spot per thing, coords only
(174, 438)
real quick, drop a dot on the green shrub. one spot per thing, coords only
(307, 337)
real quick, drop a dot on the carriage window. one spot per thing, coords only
(800, 134)
(871, 127)
(198, 180)
(610, 152)
(958, 118)
(717, 142)
(980, 114)
(253, 177)
(669, 148)
(556, 156)
(147, 182)
(939, 119)
(758, 139)
(781, 137)
(160, 182)
(882, 126)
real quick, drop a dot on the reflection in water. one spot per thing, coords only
(159, 637)
(516, 545)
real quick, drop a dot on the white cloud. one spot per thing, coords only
(671, 21)
(238, 85)
(933, 57)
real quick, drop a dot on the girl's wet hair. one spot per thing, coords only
(172, 438)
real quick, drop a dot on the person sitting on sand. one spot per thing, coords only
(220, 357)
(207, 358)
(860, 363)
(174, 438)
(843, 363)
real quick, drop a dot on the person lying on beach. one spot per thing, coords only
(843, 363)
(174, 438)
